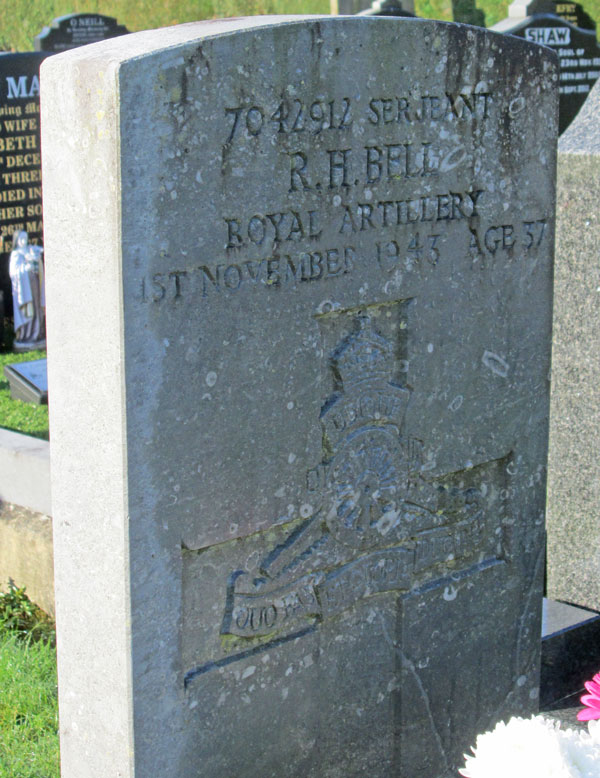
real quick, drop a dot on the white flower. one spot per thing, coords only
(535, 748)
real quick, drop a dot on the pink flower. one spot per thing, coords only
(592, 700)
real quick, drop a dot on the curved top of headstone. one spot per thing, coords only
(73, 30)
(426, 130)
(148, 41)
(583, 135)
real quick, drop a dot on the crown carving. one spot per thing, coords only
(364, 356)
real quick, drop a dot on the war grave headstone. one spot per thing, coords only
(72, 30)
(574, 475)
(578, 51)
(302, 534)
(20, 162)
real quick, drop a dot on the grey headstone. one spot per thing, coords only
(302, 267)
(574, 463)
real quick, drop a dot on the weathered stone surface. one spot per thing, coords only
(574, 467)
(310, 265)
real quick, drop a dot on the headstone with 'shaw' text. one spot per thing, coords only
(578, 51)
(299, 269)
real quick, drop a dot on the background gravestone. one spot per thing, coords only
(72, 30)
(574, 472)
(579, 57)
(569, 12)
(575, 14)
(347, 7)
(20, 162)
(388, 8)
(397, 8)
(299, 522)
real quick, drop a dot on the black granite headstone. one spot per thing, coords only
(20, 162)
(570, 640)
(574, 13)
(73, 30)
(579, 55)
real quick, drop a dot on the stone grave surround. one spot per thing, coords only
(299, 312)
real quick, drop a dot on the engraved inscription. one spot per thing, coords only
(377, 172)
(255, 614)
(229, 277)
(291, 116)
(416, 249)
(316, 116)
(273, 228)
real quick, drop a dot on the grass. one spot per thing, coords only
(22, 20)
(28, 418)
(28, 693)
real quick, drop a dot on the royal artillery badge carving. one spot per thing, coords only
(375, 524)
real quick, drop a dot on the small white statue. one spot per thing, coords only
(29, 303)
